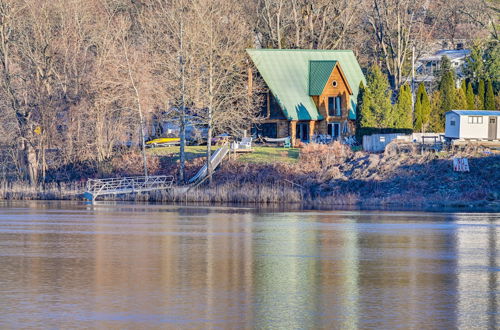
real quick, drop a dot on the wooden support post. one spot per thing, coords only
(312, 125)
(293, 130)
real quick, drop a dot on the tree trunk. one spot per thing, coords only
(210, 169)
(32, 163)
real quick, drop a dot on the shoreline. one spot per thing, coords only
(321, 203)
(323, 176)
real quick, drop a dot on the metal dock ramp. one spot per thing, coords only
(118, 186)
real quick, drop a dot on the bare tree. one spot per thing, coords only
(309, 24)
(398, 25)
(221, 63)
(166, 24)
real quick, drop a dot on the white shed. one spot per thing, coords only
(472, 124)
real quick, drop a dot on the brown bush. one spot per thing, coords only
(314, 157)
(131, 163)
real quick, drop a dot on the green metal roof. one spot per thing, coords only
(319, 72)
(286, 73)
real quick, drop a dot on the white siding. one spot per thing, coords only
(473, 131)
(452, 131)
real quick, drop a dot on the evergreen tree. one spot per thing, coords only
(403, 108)
(470, 97)
(447, 93)
(489, 99)
(460, 100)
(463, 85)
(426, 108)
(484, 63)
(359, 107)
(480, 95)
(376, 109)
(447, 85)
(436, 119)
(417, 116)
(422, 109)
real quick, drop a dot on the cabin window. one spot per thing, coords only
(452, 123)
(302, 131)
(475, 119)
(334, 130)
(269, 130)
(335, 106)
(334, 83)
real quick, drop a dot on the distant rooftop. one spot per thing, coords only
(476, 112)
(452, 54)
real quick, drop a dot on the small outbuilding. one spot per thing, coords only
(472, 124)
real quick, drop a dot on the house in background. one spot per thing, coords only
(472, 124)
(428, 67)
(309, 92)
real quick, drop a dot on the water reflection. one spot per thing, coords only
(177, 267)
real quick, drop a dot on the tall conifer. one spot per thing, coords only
(417, 115)
(436, 123)
(470, 97)
(403, 108)
(426, 108)
(359, 108)
(489, 99)
(376, 110)
(447, 92)
(460, 100)
(480, 95)
(447, 85)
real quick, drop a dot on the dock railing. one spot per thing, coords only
(126, 185)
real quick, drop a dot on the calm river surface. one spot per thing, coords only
(66, 265)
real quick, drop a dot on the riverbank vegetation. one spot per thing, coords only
(81, 79)
(322, 175)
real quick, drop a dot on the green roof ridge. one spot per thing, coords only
(286, 73)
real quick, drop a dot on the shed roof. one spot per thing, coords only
(286, 73)
(475, 112)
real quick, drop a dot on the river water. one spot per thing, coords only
(70, 265)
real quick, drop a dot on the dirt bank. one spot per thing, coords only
(329, 175)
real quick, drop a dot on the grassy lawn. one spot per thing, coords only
(259, 155)
(191, 151)
(270, 155)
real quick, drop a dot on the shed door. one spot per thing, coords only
(492, 128)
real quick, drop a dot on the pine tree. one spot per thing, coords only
(436, 119)
(470, 97)
(359, 107)
(426, 108)
(460, 100)
(447, 85)
(447, 93)
(489, 99)
(403, 108)
(417, 116)
(463, 85)
(376, 109)
(480, 95)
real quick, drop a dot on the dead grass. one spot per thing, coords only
(323, 175)
(52, 191)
